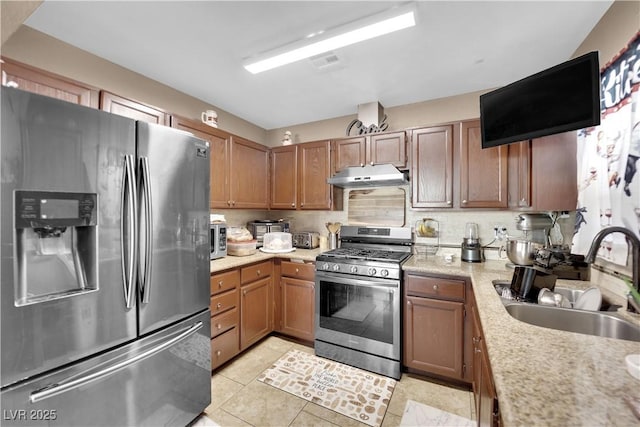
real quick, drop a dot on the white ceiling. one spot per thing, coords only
(199, 47)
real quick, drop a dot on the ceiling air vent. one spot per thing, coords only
(325, 60)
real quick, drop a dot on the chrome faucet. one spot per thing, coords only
(632, 240)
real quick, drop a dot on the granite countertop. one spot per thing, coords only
(228, 262)
(545, 376)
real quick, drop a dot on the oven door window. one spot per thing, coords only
(358, 310)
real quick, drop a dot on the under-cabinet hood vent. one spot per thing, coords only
(369, 176)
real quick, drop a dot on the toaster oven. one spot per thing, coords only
(260, 227)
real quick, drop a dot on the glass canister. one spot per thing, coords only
(428, 234)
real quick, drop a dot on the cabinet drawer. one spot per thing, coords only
(224, 281)
(224, 347)
(255, 272)
(432, 287)
(224, 321)
(298, 270)
(224, 301)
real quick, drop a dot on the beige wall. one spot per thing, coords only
(34, 48)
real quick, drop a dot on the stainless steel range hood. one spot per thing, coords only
(369, 176)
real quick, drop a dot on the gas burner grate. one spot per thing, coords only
(368, 254)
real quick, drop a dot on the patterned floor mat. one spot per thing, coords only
(350, 391)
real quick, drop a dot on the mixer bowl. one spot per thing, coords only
(522, 252)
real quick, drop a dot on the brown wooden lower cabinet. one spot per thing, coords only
(434, 326)
(225, 319)
(297, 300)
(484, 392)
(256, 307)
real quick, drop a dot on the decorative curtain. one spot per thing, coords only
(608, 176)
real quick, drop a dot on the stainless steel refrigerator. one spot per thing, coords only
(105, 268)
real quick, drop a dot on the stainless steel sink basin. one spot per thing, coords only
(579, 321)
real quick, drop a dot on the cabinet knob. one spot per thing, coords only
(219, 305)
(297, 270)
(244, 292)
(371, 163)
(301, 204)
(435, 287)
(464, 201)
(229, 202)
(361, 164)
(293, 205)
(477, 350)
(220, 284)
(448, 202)
(258, 273)
(219, 326)
(218, 353)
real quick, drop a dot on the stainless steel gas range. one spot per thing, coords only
(358, 294)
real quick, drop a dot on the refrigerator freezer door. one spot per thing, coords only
(163, 379)
(54, 146)
(174, 227)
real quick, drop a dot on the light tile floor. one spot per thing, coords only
(238, 399)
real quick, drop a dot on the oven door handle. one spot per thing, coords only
(372, 282)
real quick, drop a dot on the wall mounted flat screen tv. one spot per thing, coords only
(560, 99)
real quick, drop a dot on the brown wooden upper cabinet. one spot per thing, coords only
(299, 176)
(30, 79)
(219, 147)
(483, 172)
(248, 175)
(133, 109)
(377, 148)
(542, 173)
(432, 167)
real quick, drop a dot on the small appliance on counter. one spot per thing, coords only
(306, 239)
(259, 228)
(471, 250)
(218, 240)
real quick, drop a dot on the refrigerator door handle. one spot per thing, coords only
(70, 384)
(129, 223)
(145, 192)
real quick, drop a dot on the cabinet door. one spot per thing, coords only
(432, 167)
(433, 336)
(314, 166)
(298, 308)
(30, 79)
(218, 157)
(483, 172)
(255, 311)
(249, 172)
(388, 148)
(134, 110)
(284, 177)
(519, 174)
(349, 152)
(554, 171)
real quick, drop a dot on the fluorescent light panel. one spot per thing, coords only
(347, 38)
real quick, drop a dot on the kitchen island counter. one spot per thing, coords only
(545, 376)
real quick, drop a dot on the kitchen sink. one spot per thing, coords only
(580, 321)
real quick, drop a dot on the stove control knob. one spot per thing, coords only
(371, 271)
(353, 269)
(384, 272)
(324, 266)
(336, 267)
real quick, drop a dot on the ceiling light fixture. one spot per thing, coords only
(340, 37)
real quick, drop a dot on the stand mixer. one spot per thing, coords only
(553, 259)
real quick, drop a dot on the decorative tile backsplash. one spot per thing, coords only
(451, 221)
